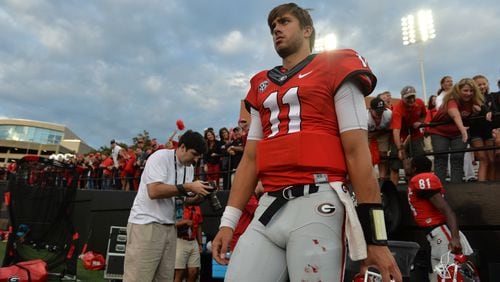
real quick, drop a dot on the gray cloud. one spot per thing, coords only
(111, 69)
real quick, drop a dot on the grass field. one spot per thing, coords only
(82, 274)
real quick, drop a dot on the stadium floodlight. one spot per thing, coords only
(418, 29)
(326, 43)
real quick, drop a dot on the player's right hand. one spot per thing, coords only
(220, 245)
(381, 258)
(455, 245)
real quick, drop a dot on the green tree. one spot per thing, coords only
(142, 136)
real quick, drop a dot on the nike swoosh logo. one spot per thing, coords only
(301, 75)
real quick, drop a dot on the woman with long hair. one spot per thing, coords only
(211, 158)
(463, 101)
(225, 142)
(431, 112)
(431, 106)
(480, 131)
(445, 85)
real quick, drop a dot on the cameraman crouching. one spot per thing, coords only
(151, 232)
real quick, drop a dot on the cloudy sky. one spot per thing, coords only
(113, 68)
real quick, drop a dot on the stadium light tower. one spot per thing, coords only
(419, 29)
(326, 43)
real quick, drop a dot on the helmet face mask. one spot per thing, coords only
(369, 276)
(455, 268)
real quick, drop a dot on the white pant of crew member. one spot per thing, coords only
(304, 241)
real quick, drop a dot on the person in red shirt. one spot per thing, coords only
(211, 158)
(407, 117)
(431, 108)
(308, 130)
(189, 244)
(106, 165)
(450, 133)
(433, 214)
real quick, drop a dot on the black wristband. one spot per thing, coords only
(181, 189)
(371, 217)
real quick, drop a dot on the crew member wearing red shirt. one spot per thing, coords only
(433, 214)
(189, 244)
(308, 130)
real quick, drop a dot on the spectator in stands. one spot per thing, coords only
(431, 107)
(115, 151)
(463, 101)
(225, 142)
(96, 173)
(244, 125)
(140, 162)
(407, 117)
(379, 132)
(387, 98)
(446, 83)
(106, 166)
(151, 233)
(235, 150)
(155, 145)
(189, 244)
(128, 170)
(82, 170)
(211, 158)
(431, 112)
(480, 133)
(433, 214)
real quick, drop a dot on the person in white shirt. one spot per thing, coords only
(379, 129)
(115, 151)
(151, 233)
(446, 83)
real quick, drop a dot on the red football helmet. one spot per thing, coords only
(456, 268)
(369, 276)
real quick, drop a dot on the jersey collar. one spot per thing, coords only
(280, 78)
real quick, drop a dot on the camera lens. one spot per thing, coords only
(214, 201)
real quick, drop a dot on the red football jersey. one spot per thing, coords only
(424, 212)
(297, 111)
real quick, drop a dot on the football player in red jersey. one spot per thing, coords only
(432, 213)
(308, 131)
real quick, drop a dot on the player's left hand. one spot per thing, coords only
(381, 258)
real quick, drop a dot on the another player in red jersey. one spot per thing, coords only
(432, 213)
(308, 131)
